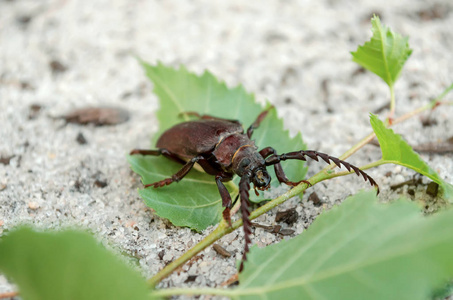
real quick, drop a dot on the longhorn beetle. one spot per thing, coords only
(223, 149)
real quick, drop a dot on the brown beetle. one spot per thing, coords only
(223, 149)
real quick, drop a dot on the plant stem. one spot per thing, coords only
(354, 149)
(192, 291)
(9, 295)
(365, 167)
(444, 93)
(220, 231)
(392, 104)
(432, 104)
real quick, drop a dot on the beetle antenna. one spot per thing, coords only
(301, 155)
(244, 187)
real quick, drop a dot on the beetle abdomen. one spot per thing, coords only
(193, 138)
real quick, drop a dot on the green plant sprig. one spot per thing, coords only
(431, 105)
(387, 57)
(384, 55)
(223, 229)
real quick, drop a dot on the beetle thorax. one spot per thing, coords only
(229, 146)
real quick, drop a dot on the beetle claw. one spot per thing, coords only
(256, 192)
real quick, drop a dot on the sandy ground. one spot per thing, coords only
(59, 55)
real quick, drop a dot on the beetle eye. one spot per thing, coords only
(244, 163)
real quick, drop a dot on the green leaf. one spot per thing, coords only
(385, 54)
(180, 91)
(396, 151)
(66, 265)
(359, 250)
(195, 201)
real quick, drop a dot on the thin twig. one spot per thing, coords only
(9, 295)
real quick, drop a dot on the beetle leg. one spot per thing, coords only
(226, 197)
(178, 175)
(244, 187)
(301, 155)
(189, 113)
(281, 176)
(158, 152)
(258, 121)
(146, 152)
(206, 117)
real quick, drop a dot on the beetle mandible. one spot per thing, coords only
(223, 149)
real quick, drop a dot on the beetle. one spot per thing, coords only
(223, 149)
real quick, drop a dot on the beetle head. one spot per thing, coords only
(247, 161)
(261, 179)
